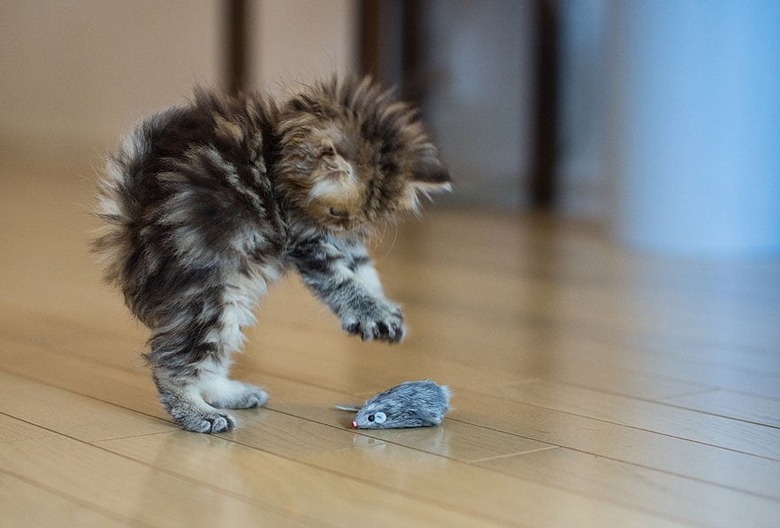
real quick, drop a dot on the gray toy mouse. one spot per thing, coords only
(410, 404)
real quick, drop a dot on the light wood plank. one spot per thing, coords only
(294, 487)
(641, 488)
(129, 490)
(24, 505)
(287, 435)
(72, 414)
(12, 429)
(101, 381)
(635, 310)
(640, 447)
(680, 423)
(461, 485)
(733, 405)
(544, 247)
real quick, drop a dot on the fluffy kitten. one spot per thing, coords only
(207, 204)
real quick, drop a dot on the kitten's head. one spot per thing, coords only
(351, 156)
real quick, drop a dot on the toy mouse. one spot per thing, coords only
(410, 404)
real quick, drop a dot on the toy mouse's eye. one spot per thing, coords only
(380, 417)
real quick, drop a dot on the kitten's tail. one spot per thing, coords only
(118, 205)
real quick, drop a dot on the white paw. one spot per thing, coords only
(235, 395)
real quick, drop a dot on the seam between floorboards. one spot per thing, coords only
(776, 458)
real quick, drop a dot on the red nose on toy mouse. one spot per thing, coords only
(410, 404)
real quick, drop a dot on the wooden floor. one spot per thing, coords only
(592, 386)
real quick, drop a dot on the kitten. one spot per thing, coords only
(207, 204)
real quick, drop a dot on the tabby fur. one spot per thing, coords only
(205, 205)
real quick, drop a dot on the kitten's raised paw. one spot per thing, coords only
(384, 325)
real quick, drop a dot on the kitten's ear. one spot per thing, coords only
(430, 175)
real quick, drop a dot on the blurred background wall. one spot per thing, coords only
(694, 125)
(77, 73)
(658, 120)
(300, 40)
(478, 91)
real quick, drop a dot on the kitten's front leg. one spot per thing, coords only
(341, 274)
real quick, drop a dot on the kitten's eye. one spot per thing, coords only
(380, 417)
(327, 152)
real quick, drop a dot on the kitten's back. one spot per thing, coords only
(181, 179)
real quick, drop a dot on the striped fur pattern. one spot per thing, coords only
(207, 204)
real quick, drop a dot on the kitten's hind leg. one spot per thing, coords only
(218, 390)
(190, 359)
